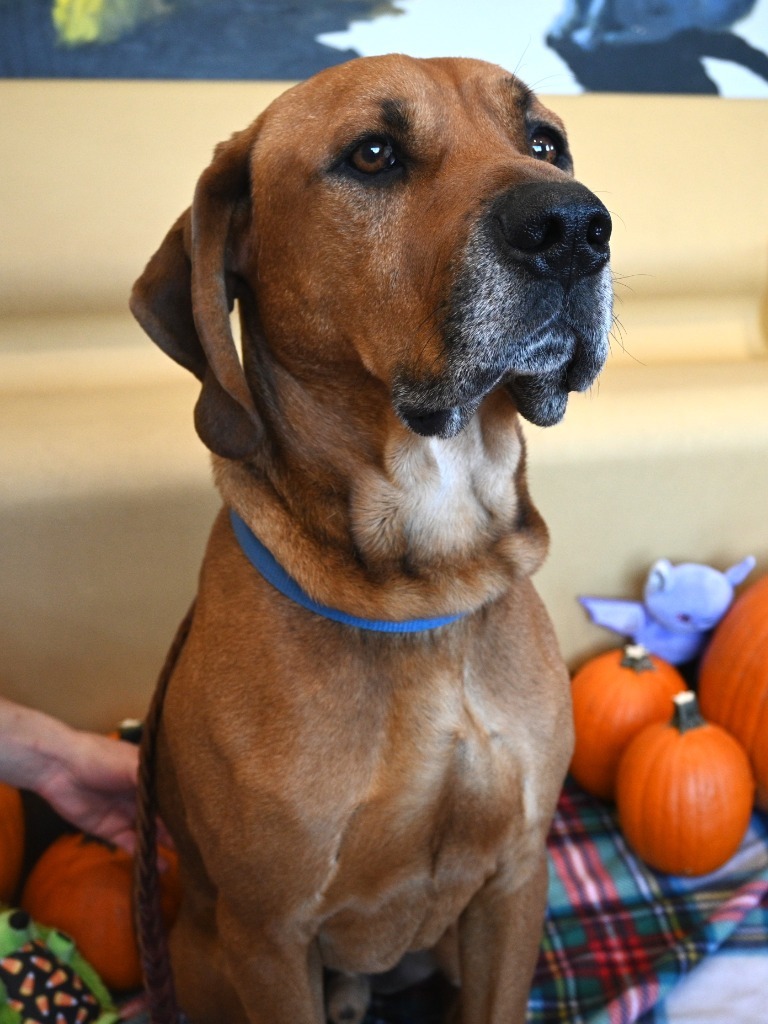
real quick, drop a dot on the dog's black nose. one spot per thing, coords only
(555, 229)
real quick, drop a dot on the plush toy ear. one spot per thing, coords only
(738, 573)
(659, 576)
(186, 293)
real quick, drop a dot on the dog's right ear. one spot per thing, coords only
(186, 293)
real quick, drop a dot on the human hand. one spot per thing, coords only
(91, 782)
(87, 778)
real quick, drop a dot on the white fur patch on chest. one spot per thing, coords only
(436, 497)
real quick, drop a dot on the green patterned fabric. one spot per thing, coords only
(43, 978)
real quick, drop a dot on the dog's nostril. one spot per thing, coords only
(537, 234)
(599, 230)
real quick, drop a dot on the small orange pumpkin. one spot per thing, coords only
(733, 683)
(615, 695)
(11, 841)
(82, 886)
(684, 793)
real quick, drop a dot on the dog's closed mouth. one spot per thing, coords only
(541, 399)
(442, 406)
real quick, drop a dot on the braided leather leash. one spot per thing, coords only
(153, 941)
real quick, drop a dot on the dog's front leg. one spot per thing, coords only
(499, 939)
(278, 981)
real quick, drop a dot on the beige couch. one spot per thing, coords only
(105, 496)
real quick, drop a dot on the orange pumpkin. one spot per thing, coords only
(82, 886)
(615, 695)
(11, 841)
(733, 683)
(684, 793)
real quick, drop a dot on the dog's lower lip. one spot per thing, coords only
(428, 424)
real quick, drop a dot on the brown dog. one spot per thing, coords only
(414, 265)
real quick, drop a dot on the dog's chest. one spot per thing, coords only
(451, 801)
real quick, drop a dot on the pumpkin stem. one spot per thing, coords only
(638, 658)
(687, 715)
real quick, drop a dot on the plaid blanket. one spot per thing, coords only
(620, 938)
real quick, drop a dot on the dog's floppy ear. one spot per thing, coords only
(185, 295)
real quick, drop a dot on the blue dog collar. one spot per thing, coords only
(264, 562)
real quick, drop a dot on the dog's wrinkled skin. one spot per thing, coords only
(411, 272)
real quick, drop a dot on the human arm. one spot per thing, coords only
(88, 779)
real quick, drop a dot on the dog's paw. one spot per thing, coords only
(347, 997)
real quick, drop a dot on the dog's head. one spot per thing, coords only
(415, 219)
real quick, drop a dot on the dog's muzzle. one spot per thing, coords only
(530, 309)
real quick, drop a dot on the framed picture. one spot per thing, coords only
(559, 46)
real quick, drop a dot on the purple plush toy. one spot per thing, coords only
(682, 605)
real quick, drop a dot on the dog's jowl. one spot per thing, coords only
(366, 730)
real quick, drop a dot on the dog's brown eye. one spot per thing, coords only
(373, 156)
(545, 147)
